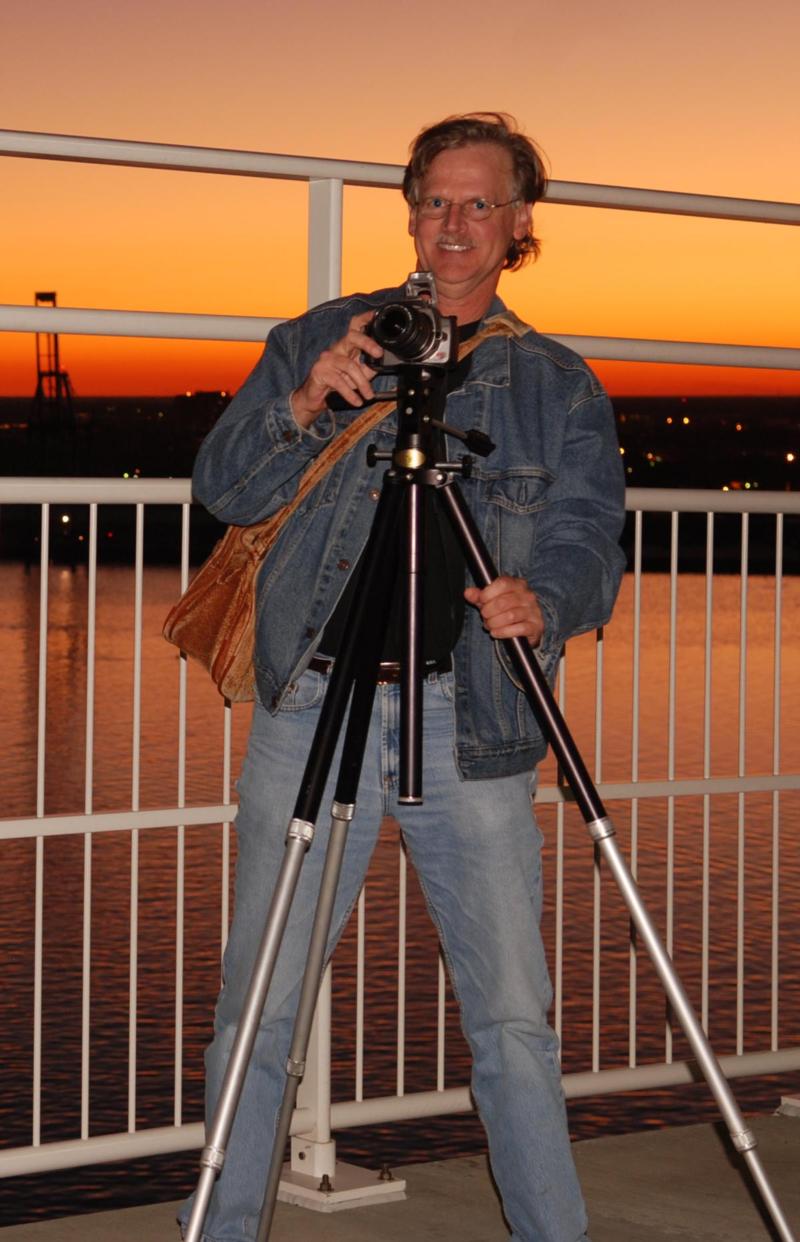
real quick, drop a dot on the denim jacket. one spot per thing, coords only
(549, 503)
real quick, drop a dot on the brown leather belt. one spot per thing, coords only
(389, 672)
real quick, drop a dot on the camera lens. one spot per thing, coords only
(405, 330)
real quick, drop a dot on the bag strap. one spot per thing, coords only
(504, 324)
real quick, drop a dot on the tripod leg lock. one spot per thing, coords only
(343, 811)
(743, 1140)
(295, 1069)
(599, 829)
(300, 830)
(212, 1158)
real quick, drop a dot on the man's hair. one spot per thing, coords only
(527, 162)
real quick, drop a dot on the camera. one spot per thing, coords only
(413, 332)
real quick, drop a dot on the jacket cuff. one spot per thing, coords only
(283, 429)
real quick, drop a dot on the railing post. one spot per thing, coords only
(324, 240)
(314, 1152)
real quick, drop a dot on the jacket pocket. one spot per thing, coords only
(521, 490)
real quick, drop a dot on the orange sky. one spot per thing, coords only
(691, 96)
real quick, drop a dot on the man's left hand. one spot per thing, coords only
(509, 609)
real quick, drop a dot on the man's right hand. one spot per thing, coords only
(338, 369)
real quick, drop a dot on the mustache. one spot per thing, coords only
(449, 239)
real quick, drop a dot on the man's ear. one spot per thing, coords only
(523, 221)
(412, 222)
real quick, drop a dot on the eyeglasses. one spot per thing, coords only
(436, 207)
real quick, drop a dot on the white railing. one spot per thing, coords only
(666, 783)
(638, 790)
(326, 179)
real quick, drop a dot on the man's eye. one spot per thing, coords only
(480, 205)
(436, 201)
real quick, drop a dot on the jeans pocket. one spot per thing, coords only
(446, 686)
(308, 691)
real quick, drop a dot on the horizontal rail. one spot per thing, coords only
(84, 321)
(44, 490)
(672, 202)
(68, 491)
(706, 500)
(116, 821)
(197, 816)
(160, 1140)
(85, 150)
(89, 150)
(155, 325)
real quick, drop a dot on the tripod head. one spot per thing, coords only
(421, 395)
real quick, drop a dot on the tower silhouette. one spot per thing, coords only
(51, 423)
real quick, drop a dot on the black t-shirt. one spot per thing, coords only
(443, 605)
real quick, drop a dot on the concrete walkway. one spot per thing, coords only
(658, 1185)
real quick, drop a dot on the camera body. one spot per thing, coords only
(412, 332)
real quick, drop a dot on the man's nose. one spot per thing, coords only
(454, 220)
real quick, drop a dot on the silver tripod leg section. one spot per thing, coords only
(298, 838)
(341, 817)
(602, 833)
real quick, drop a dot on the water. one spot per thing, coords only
(117, 782)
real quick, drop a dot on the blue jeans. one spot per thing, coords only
(476, 850)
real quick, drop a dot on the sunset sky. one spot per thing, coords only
(696, 95)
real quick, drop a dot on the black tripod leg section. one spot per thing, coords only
(380, 555)
(410, 788)
(602, 832)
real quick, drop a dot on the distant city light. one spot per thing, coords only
(686, 420)
(738, 426)
(65, 518)
(669, 421)
(790, 457)
(622, 450)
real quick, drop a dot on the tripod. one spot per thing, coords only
(421, 396)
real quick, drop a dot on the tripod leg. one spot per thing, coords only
(315, 964)
(213, 1155)
(362, 644)
(341, 814)
(379, 559)
(602, 832)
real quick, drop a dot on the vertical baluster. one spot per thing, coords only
(707, 717)
(740, 863)
(38, 931)
(776, 798)
(671, 712)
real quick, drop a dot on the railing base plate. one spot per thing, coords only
(352, 1187)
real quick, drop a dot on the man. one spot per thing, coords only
(549, 503)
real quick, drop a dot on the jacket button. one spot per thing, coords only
(288, 436)
(343, 564)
